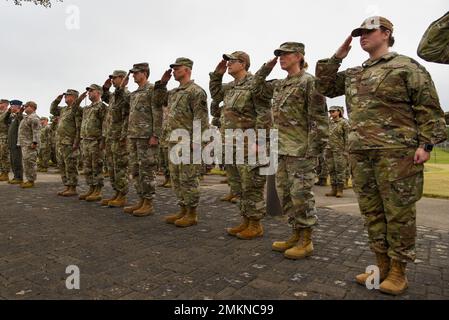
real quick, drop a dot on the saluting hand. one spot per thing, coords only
(343, 51)
(271, 63)
(166, 76)
(107, 83)
(125, 81)
(221, 67)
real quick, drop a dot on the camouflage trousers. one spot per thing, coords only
(163, 161)
(15, 154)
(44, 157)
(143, 161)
(234, 181)
(185, 182)
(252, 187)
(66, 159)
(29, 159)
(337, 164)
(108, 163)
(119, 173)
(322, 168)
(388, 184)
(294, 181)
(5, 165)
(93, 162)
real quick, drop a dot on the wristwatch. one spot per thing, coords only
(428, 147)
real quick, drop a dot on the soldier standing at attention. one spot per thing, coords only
(116, 136)
(336, 151)
(300, 115)
(13, 119)
(29, 140)
(144, 130)
(163, 152)
(396, 119)
(186, 103)
(45, 146)
(67, 136)
(93, 143)
(246, 108)
(5, 166)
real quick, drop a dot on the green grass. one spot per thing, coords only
(439, 156)
(436, 180)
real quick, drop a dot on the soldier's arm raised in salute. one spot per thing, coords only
(159, 99)
(78, 119)
(54, 107)
(216, 87)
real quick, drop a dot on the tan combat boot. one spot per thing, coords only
(227, 197)
(333, 193)
(105, 202)
(168, 184)
(190, 219)
(235, 199)
(4, 177)
(172, 218)
(239, 228)
(88, 193)
(61, 193)
(304, 248)
(95, 196)
(145, 210)
(27, 185)
(254, 230)
(131, 209)
(339, 193)
(71, 192)
(383, 263)
(15, 181)
(396, 282)
(281, 246)
(119, 201)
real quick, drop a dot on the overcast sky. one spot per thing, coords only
(76, 43)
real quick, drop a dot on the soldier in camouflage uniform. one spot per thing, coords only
(163, 152)
(337, 150)
(186, 103)
(67, 136)
(395, 119)
(300, 116)
(13, 118)
(53, 128)
(29, 141)
(93, 143)
(5, 166)
(116, 134)
(434, 45)
(45, 146)
(246, 108)
(322, 170)
(144, 130)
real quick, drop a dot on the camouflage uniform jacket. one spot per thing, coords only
(45, 136)
(145, 114)
(29, 130)
(69, 123)
(392, 102)
(92, 124)
(434, 46)
(4, 125)
(115, 126)
(299, 113)
(338, 135)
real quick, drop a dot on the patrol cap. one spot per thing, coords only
(16, 103)
(118, 73)
(238, 55)
(72, 92)
(290, 47)
(335, 108)
(4, 101)
(94, 87)
(186, 62)
(31, 104)
(140, 67)
(373, 23)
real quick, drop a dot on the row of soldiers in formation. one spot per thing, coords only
(395, 119)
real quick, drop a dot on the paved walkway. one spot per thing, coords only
(122, 257)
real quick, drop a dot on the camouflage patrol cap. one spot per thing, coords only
(16, 103)
(31, 104)
(335, 108)
(373, 23)
(72, 92)
(290, 47)
(94, 87)
(118, 73)
(238, 55)
(186, 62)
(4, 101)
(140, 67)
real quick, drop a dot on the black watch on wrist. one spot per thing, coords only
(428, 147)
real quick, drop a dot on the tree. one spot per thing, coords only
(44, 3)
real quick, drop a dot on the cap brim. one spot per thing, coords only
(278, 52)
(358, 32)
(228, 57)
(175, 65)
